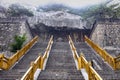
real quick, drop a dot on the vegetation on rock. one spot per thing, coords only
(18, 42)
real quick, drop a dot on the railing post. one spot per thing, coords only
(74, 49)
(79, 63)
(114, 64)
(81, 55)
(1, 60)
(42, 62)
(32, 74)
(89, 72)
(39, 66)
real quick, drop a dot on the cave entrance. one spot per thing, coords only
(61, 34)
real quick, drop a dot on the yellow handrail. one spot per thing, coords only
(75, 54)
(39, 62)
(6, 63)
(29, 75)
(92, 74)
(83, 63)
(106, 56)
(47, 51)
(73, 47)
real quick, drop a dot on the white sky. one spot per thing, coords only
(72, 3)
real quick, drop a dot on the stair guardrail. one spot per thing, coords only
(92, 74)
(7, 63)
(75, 54)
(83, 63)
(38, 63)
(46, 54)
(29, 75)
(112, 61)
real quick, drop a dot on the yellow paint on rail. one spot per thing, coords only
(7, 63)
(113, 62)
(38, 63)
(83, 63)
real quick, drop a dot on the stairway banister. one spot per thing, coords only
(105, 55)
(3, 62)
(38, 63)
(74, 51)
(96, 75)
(14, 58)
(73, 47)
(48, 47)
(89, 69)
(27, 75)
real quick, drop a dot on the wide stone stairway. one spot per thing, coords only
(60, 64)
(17, 71)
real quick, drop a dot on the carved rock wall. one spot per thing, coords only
(7, 32)
(107, 34)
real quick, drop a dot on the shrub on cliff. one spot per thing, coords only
(18, 42)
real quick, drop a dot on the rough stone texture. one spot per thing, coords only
(59, 19)
(2, 12)
(107, 35)
(24, 29)
(7, 32)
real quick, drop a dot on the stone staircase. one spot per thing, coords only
(60, 64)
(103, 69)
(22, 66)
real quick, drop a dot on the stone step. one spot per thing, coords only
(61, 74)
(11, 74)
(108, 75)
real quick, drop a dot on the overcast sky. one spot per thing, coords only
(72, 3)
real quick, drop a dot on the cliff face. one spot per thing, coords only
(8, 29)
(107, 35)
(2, 12)
(60, 19)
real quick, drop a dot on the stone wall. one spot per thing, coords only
(7, 32)
(107, 34)
(24, 29)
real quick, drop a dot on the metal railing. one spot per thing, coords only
(38, 63)
(92, 74)
(113, 62)
(83, 63)
(29, 75)
(75, 54)
(6, 63)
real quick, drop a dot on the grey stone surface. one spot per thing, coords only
(59, 19)
(7, 32)
(8, 29)
(107, 34)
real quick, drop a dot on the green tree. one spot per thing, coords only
(18, 42)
